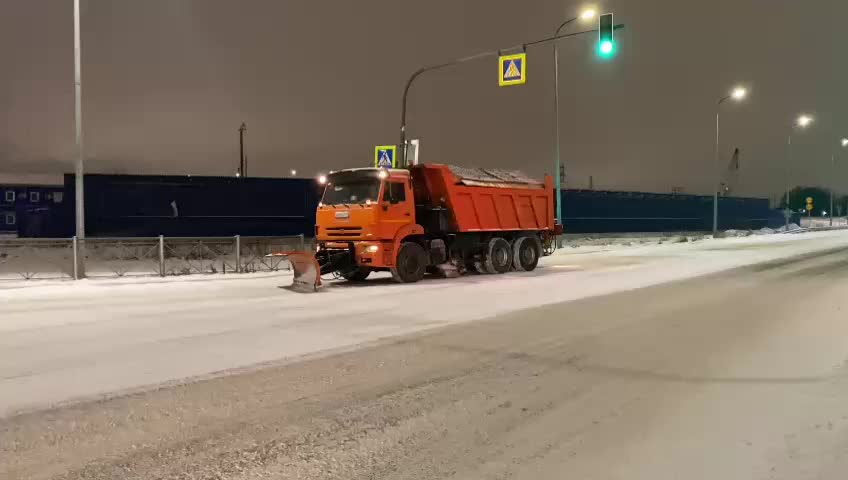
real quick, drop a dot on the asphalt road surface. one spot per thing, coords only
(736, 375)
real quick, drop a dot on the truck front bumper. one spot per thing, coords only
(339, 255)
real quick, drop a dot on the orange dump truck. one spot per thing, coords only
(434, 219)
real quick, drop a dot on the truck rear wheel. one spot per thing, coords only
(498, 258)
(410, 264)
(358, 274)
(525, 253)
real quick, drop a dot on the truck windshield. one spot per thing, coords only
(352, 191)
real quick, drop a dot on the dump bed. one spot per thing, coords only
(478, 200)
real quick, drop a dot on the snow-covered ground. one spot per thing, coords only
(61, 341)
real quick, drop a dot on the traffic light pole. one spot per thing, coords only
(478, 56)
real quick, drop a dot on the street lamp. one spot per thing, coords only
(803, 121)
(79, 170)
(585, 16)
(293, 173)
(833, 177)
(737, 95)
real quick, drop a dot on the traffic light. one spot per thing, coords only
(606, 42)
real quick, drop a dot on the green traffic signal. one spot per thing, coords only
(606, 42)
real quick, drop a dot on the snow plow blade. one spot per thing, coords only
(307, 276)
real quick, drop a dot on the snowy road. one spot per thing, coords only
(741, 374)
(74, 341)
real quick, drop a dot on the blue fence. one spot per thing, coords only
(183, 206)
(591, 211)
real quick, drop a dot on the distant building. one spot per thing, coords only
(26, 198)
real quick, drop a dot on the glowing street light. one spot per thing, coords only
(804, 121)
(739, 93)
(588, 14)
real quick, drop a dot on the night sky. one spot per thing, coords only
(166, 83)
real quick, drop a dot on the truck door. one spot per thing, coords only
(398, 207)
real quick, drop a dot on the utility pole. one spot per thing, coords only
(788, 212)
(802, 122)
(717, 172)
(242, 162)
(80, 170)
(832, 176)
(738, 94)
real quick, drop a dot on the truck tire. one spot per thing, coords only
(525, 253)
(358, 274)
(410, 264)
(498, 258)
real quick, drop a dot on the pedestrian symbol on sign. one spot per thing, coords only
(384, 156)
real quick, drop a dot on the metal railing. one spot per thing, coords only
(32, 259)
(65, 258)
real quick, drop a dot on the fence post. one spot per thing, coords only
(238, 253)
(76, 259)
(302, 242)
(161, 255)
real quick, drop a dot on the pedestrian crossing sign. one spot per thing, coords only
(384, 156)
(512, 69)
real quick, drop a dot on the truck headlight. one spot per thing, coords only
(372, 249)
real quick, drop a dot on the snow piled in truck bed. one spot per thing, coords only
(492, 176)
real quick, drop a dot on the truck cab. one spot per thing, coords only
(361, 215)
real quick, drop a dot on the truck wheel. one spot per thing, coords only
(498, 257)
(358, 274)
(525, 254)
(410, 264)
